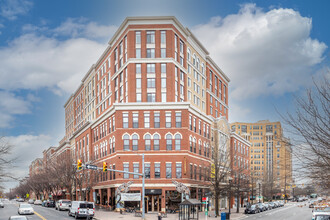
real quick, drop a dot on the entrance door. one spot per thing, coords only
(154, 203)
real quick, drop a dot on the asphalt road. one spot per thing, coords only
(40, 212)
(291, 211)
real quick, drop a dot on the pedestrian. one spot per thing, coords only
(159, 216)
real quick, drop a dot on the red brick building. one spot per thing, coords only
(240, 169)
(155, 90)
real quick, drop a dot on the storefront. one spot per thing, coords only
(153, 200)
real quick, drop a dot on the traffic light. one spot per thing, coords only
(105, 167)
(79, 165)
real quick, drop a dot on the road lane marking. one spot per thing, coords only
(40, 216)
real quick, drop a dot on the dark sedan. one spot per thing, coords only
(252, 209)
(50, 203)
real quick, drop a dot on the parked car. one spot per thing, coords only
(272, 205)
(38, 202)
(17, 217)
(252, 209)
(262, 207)
(63, 204)
(20, 200)
(50, 203)
(323, 216)
(82, 209)
(277, 204)
(43, 203)
(31, 201)
(268, 207)
(25, 208)
(1, 204)
(281, 203)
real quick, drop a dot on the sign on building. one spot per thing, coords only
(130, 197)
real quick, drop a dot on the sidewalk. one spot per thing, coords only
(111, 215)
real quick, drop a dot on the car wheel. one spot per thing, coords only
(76, 216)
(69, 214)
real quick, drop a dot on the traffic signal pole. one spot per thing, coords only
(94, 167)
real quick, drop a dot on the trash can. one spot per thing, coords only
(225, 215)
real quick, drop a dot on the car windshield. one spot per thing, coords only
(18, 218)
(322, 209)
(253, 206)
(322, 217)
(25, 206)
(86, 205)
(67, 202)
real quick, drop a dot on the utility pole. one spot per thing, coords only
(143, 191)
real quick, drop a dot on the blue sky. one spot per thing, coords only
(269, 49)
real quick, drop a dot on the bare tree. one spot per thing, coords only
(220, 168)
(310, 125)
(5, 161)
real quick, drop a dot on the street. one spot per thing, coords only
(40, 212)
(290, 211)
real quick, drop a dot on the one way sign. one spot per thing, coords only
(92, 167)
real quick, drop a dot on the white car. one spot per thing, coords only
(38, 202)
(1, 204)
(82, 209)
(63, 204)
(25, 208)
(17, 217)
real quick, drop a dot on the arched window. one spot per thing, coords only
(169, 142)
(110, 146)
(204, 149)
(106, 147)
(194, 145)
(191, 144)
(194, 59)
(188, 55)
(200, 147)
(135, 142)
(147, 141)
(113, 145)
(202, 70)
(156, 142)
(197, 64)
(177, 142)
(126, 142)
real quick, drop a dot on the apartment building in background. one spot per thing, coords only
(271, 155)
(154, 90)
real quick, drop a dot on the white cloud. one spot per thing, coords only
(34, 62)
(10, 9)
(79, 27)
(11, 105)
(38, 59)
(26, 148)
(263, 53)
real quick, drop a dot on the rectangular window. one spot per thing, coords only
(125, 120)
(151, 83)
(151, 97)
(195, 172)
(163, 53)
(163, 96)
(178, 170)
(156, 119)
(138, 97)
(126, 168)
(150, 53)
(178, 119)
(138, 52)
(138, 68)
(191, 171)
(147, 170)
(168, 170)
(147, 120)
(181, 46)
(163, 68)
(136, 170)
(137, 37)
(135, 120)
(151, 68)
(150, 37)
(168, 120)
(157, 170)
(163, 37)
(163, 82)
(138, 83)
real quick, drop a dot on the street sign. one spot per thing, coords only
(92, 167)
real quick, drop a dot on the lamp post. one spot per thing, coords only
(230, 181)
(259, 192)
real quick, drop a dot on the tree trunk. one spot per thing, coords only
(216, 203)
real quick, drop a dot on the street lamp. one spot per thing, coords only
(230, 181)
(259, 192)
